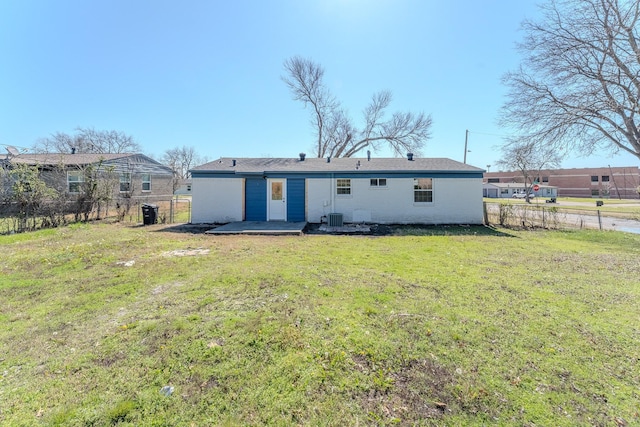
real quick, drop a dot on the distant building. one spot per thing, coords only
(605, 182)
(496, 190)
(183, 187)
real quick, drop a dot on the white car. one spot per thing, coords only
(522, 195)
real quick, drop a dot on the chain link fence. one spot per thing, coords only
(171, 210)
(556, 217)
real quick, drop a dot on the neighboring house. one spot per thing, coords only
(136, 175)
(603, 182)
(377, 190)
(183, 187)
(507, 190)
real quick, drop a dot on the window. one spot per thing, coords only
(423, 190)
(504, 191)
(545, 179)
(595, 192)
(125, 182)
(74, 181)
(605, 178)
(276, 190)
(343, 186)
(378, 182)
(146, 182)
(493, 180)
(594, 178)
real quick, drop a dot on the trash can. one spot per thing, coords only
(149, 214)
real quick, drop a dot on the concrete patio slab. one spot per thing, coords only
(260, 227)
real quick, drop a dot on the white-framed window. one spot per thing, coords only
(504, 191)
(125, 182)
(423, 190)
(343, 186)
(146, 182)
(378, 182)
(74, 181)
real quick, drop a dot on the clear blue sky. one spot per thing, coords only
(207, 74)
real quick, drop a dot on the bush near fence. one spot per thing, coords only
(548, 217)
(508, 215)
(170, 210)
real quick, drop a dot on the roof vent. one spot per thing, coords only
(302, 156)
(233, 162)
(73, 150)
(410, 157)
(328, 159)
(368, 155)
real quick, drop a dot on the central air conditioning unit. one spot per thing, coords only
(335, 220)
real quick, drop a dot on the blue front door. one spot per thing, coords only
(255, 199)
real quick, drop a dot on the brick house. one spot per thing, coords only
(604, 182)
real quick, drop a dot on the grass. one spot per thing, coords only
(438, 326)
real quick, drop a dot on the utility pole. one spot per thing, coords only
(466, 139)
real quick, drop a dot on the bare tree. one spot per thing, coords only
(578, 87)
(88, 140)
(336, 134)
(181, 160)
(529, 159)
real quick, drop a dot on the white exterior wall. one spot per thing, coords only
(217, 200)
(455, 201)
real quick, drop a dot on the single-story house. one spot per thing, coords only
(135, 174)
(354, 190)
(183, 187)
(499, 190)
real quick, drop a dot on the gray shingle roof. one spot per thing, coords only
(54, 159)
(120, 161)
(345, 164)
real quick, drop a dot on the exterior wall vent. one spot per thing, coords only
(335, 220)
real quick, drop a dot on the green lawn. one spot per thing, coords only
(438, 326)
